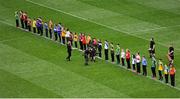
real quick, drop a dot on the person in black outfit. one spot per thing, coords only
(171, 54)
(69, 50)
(106, 46)
(152, 48)
(86, 56)
(100, 48)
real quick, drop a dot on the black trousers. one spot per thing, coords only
(99, 51)
(118, 59)
(59, 35)
(138, 68)
(128, 63)
(63, 40)
(122, 60)
(50, 33)
(75, 43)
(86, 59)
(55, 34)
(38, 30)
(17, 23)
(166, 78)
(46, 30)
(34, 29)
(81, 45)
(112, 57)
(69, 56)
(84, 46)
(22, 23)
(144, 70)
(153, 69)
(134, 66)
(106, 54)
(26, 25)
(172, 80)
(41, 30)
(160, 75)
(29, 28)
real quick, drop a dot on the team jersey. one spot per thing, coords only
(34, 23)
(63, 33)
(75, 37)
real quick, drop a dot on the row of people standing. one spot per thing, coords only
(122, 57)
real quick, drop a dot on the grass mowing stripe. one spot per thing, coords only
(59, 74)
(104, 60)
(93, 22)
(13, 86)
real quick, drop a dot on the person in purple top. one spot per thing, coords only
(38, 25)
(59, 31)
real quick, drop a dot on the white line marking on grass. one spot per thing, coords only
(7, 40)
(146, 30)
(125, 32)
(124, 67)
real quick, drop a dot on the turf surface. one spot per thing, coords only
(32, 66)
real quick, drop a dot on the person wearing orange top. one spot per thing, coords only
(84, 41)
(50, 28)
(88, 40)
(172, 72)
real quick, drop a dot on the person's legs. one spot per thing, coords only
(46, 30)
(17, 23)
(123, 64)
(22, 23)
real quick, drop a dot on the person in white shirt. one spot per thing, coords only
(138, 61)
(134, 62)
(123, 57)
(106, 47)
(67, 35)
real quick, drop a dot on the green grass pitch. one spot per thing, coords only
(32, 66)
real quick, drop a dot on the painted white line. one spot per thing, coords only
(153, 29)
(7, 40)
(124, 67)
(125, 32)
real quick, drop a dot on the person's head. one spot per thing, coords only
(143, 57)
(67, 29)
(122, 50)
(152, 39)
(133, 56)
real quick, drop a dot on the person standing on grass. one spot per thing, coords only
(118, 54)
(152, 48)
(29, 23)
(25, 19)
(41, 26)
(112, 52)
(59, 29)
(128, 57)
(38, 26)
(88, 40)
(100, 48)
(123, 57)
(55, 32)
(63, 35)
(17, 18)
(34, 25)
(69, 50)
(67, 35)
(22, 19)
(153, 67)
(71, 38)
(46, 28)
(166, 73)
(106, 47)
(80, 41)
(50, 28)
(138, 63)
(86, 56)
(160, 69)
(95, 43)
(134, 62)
(84, 41)
(75, 40)
(144, 65)
(171, 54)
(172, 74)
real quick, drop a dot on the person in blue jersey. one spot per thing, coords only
(144, 65)
(59, 31)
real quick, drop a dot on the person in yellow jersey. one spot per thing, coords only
(34, 25)
(88, 40)
(50, 28)
(160, 69)
(63, 35)
(75, 40)
(166, 73)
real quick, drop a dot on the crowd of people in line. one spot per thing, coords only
(93, 47)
